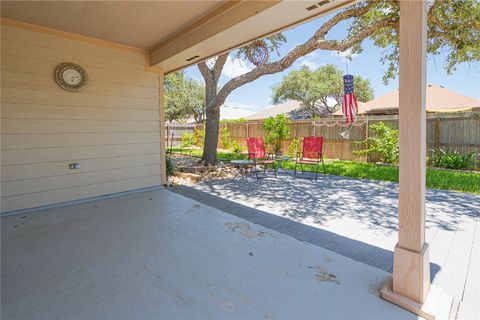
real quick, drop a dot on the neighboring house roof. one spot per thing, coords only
(291, 109)
(233, 112)
(284, 108)
(362, 108)
(438, 99)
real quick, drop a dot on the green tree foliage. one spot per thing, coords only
(184, 98)
(276, 130)
(239, 120)
(314, 88)
(453, 29)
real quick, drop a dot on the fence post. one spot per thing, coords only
(437, 133)
(366, 139)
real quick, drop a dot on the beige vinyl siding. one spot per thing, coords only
(111, 128)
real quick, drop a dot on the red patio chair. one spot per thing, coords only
(256, 153)
(312, 153)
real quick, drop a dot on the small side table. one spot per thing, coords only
(280, 160)
(242, 167)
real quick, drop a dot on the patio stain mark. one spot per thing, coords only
(194, 208)
(229, 306)
(323, 275)
(245, 231)
(269, 316)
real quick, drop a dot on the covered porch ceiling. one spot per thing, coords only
(174, 34)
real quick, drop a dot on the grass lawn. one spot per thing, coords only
(436, 179)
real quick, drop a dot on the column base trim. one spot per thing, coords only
(411, 273)
(437, 305)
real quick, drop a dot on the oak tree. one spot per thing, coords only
(453, 28)
(184, 98)
(319, 92)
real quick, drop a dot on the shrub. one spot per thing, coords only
(384, 142)
(293, 147)
(276, 130)
(236, 148)
(225, 138)
(451, 159)
(170, 166)
(188, 139)
(199, 137)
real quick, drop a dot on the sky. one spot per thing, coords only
(256, 96)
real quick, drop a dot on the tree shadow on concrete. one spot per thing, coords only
(371, 203)
(357, 250)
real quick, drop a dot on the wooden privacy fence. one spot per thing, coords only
(459, 132)
(173, 133)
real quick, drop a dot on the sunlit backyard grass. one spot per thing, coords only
(436, 178)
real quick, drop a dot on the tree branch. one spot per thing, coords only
(311, 45)
(205, 71)
(344, 15)
(219, 63)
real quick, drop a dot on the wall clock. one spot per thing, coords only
(71, 77)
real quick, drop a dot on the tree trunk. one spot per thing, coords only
(212, 108)
(212, 121)
(211, 136)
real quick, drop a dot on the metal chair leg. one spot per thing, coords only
(323, 164)
(295, 170)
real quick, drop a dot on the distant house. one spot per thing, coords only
(233, 112)
(286, 108)
(438, 99)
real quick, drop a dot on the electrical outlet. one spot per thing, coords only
(75, 165)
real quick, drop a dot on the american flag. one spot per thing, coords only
(349, 106)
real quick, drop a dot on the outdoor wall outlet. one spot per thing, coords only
(75, 165)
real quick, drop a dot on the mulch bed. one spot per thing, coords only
(189, 170)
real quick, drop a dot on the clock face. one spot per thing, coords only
(71, 77)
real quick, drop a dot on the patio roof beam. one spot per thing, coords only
(225, 17)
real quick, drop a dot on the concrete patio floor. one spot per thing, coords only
(159, 255)
(358, 219)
